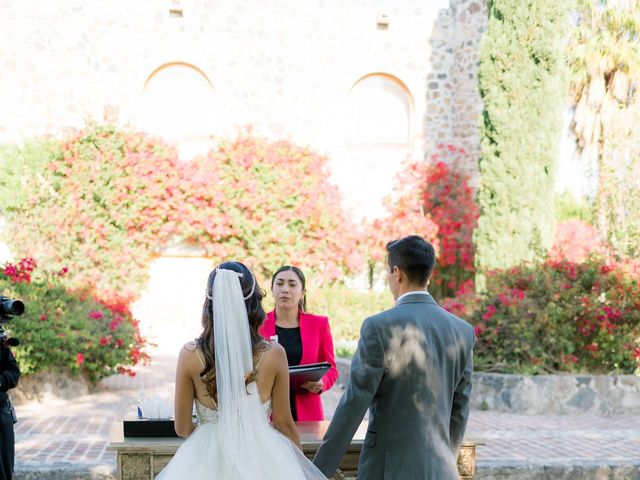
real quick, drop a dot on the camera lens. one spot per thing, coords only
(12, 307)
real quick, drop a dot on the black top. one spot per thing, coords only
(291, 341)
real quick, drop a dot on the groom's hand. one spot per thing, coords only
(313, 387)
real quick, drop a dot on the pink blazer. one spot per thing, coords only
(317, 346)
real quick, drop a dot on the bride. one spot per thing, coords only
(236, 380)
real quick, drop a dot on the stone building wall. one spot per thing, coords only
(288, 69)
(455, 106)
(196, 70)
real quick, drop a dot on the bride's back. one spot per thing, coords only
(267, 360)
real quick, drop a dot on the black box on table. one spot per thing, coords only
(148, 427)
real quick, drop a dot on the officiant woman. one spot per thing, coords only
(305, 337)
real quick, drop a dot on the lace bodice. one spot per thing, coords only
(205, 414)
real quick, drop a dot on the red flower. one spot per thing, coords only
(517, 293)
(604, 269)
(43, 318)
(96, 314)
(126, 371)
(491, 310)
(115, 323)
(10, 270)
(480, 329)
(135, 355)
(504, 299)
(79, 358)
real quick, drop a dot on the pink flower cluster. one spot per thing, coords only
(20, 273)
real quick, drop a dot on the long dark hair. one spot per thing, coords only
(302, 306)
(255, 312)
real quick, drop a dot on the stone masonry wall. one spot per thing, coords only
(557, 394)
(546, 394)
(453, 99)
(287, 70)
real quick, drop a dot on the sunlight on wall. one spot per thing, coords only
(380, 111)
(380, 138)
(178, 104)
(170, 308)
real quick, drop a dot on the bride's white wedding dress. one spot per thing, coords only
(200, 456)
(236, 441)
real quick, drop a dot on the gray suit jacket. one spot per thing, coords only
(412, 369)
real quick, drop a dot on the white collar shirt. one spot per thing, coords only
(412, 292)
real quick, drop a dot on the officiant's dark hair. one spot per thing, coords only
(255, 312)
(414, 256)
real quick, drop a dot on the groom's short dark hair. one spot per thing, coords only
(414, 256)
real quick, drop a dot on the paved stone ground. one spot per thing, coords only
(58, 439)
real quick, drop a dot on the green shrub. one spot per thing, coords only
(63, 331)
(345, 307)
(568, 207)
(345, 349)
(557, 317)
(523, 83)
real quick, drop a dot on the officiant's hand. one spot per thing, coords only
(313, 387)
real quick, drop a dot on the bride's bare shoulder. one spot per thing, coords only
(189, 353)
(190, 346)
(273, 353)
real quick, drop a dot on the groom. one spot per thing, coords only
(412, 369)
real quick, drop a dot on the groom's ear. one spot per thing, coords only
(398, 274)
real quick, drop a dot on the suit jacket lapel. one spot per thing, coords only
(304, 335)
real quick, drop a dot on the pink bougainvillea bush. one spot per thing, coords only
(575, 240)
(558, 316)
(104, 202)
(450, 200)
(62, 330)
(101, 202)
(405, 216)
(436, 201)
(269, 203)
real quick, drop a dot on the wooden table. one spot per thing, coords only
(141, 458)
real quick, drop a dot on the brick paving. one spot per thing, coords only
(67, 439)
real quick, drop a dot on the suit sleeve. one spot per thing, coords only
(10, 371)
(326, 354)
(460, 408)
(367, 371)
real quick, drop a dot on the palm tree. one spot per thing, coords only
(604, 57)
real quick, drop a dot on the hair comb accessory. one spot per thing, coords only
(228, 270)
(253, 287)
(240, 275)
